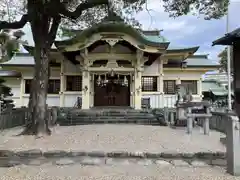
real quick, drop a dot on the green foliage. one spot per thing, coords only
(210, 9)
(9, 43)
(223, 59)
(5, 93)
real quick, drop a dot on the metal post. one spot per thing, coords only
(229, 66)
(189, 121)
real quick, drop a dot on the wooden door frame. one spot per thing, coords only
(128, 93)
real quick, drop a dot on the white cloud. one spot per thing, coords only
(167, 26)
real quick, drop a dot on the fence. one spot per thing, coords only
(12, 118)
(18, 117)
(218, 121)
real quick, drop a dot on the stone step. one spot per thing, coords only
(109, 116)
(108, 120)
(71, 123)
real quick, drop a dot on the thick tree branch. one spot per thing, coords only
(14, 25)
(53, 30)
(83, 6)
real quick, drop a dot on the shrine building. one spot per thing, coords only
(112, 64)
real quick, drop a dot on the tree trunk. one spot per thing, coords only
(39, 113)
(37, 119)
(44, 30)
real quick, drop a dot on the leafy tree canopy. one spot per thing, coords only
(84, 13)
(223, 59)
(9, 43)
(5, 93)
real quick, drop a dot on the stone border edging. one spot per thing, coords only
(36, 153)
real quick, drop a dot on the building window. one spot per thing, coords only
(190, 86)
(169, 86)
(149, 83)
(53, 86)
(73, 83)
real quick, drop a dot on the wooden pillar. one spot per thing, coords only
(161, 84)
(85, 82)
(22, 83)
(138, 80)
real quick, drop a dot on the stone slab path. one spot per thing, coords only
(114, 172)
(107, 138)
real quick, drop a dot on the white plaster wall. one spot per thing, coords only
(183, 75)
(71, 99)
(160, 101)
(52, 100)
(152, 70)
(14, 83)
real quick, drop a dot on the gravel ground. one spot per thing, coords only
(115, 138)
(124, 172)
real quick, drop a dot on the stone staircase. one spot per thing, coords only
(108, 116)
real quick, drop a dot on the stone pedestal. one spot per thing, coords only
(233, 146)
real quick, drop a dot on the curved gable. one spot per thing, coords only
(112, 30)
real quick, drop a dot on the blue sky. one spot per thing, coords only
(186, 30)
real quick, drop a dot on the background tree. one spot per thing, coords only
(223, 59)
(5, 94)
(9, 43)
(45, 17)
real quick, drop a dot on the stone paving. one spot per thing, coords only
(96, 139)
(125, 171)
(108, 138)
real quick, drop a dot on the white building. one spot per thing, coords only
(112, 64)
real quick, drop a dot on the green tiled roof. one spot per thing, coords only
(214, 87)
(159, 39)
(114, 27)
(201, 61)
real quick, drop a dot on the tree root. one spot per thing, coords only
(31, 129)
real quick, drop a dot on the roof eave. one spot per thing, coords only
(184, 50)
(204, 66)
(14, 74)
(30, 49)
(229, 38)
(226, 40)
